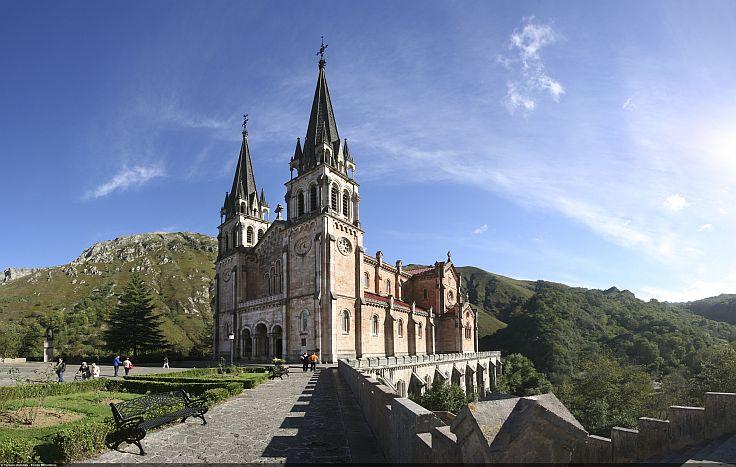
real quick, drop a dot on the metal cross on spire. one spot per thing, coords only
(322, 48)
(245, 124)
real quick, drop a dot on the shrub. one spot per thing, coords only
(18, 451)
(81, 440)
(193, 388)
(213, 396)
(442, 397)
(51, 389)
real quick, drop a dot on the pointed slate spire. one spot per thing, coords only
(322, 126)
(244, 182)
(346, 151)
(263, 198)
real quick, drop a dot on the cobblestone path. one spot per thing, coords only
(307, 417)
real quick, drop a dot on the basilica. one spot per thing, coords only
(303, 281)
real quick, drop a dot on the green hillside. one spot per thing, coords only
(720, 308)
(75, 298)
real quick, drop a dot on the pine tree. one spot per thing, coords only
(134, 324)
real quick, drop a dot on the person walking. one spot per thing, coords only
(313, 359)
(85, 371)
(116, 364)
(95, 371)
(305, 361)
(166, 361)
(127, 365)
(60, 368)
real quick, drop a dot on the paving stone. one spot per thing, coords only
(307, 417)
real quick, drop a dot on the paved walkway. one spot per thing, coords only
(307, 417)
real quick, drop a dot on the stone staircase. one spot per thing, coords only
(719, 450)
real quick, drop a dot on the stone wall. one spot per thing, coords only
(686, 426)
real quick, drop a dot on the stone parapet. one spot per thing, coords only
(413, 360)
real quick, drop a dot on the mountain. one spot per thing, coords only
(558, 326)
(75, 298)
(720, 308)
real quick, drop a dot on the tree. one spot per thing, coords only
(442, 397)
(134, 324)
(520, 378)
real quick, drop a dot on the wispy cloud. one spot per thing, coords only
(529, 77)
(480, 229)
(629, 105)
(705, 227)
(128, 177)
(676, 202)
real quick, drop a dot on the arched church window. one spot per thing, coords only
(374, 325)
(242, 208)
(304, 321)
(388, 286)
(419, 330)
(300, 203)
(249, 235)
(366, 280)
(277, 277)
(345, 322)
(426, 295)
(467, 331)
(345, 203)
(235, 238)
(260, 234)
(313, 198)
(267, 278)
(401, 328)
(334, 194)
(227, 242)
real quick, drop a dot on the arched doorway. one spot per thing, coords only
(247, 344)
(261, 342)
(276, 335)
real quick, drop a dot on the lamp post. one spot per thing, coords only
(231, 336)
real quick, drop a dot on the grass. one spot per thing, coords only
(90, 404)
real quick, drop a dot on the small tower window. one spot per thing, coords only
(249, 235)
(388, 286)
(304, 321)
(426, 294)
(227, 242)
(467, 331)
(374, 325)
(345, 203)
(334, 197)
(235, 238)
(300, 203)
(419, 330)
(346, 322)
(277, 277)
(313, 198)
(267, 278)
(366, 280)
(260, 234)
(401, 328)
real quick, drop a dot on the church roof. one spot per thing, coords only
(244, 181)
(322, 126)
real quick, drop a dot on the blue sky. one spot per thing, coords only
(590, 143)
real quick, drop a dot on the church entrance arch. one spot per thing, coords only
(261, 351)
(277, 336)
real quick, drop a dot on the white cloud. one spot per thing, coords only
(676, 202)
(480, 229)
(126, 178)
(694, 290)
(705, 227)
(629, 105)
(529, 74)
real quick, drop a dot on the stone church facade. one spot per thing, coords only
(304, 282)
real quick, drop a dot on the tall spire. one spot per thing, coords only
(322, 127)
(244, 182)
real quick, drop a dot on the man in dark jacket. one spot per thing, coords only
(60, 368)
(305, 361)
(116, 364)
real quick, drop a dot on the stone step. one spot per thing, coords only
(706, 450)
(725, 452)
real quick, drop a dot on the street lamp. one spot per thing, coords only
(231, 336)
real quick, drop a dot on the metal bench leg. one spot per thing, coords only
(204, 422)
(138, 443)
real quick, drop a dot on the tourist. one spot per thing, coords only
(60, 368)
(166, 361)
(95, 371)
(116, 364)
(313, 359)
(85, 371)
(305, 361)
(127, 365)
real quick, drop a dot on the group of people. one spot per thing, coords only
(126, 364)
(309, 361)
(85, 371)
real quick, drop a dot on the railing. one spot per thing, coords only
(378, 362)
(262, 300)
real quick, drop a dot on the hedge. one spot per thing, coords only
(204, 372)
(18, 451)
(82, 440)
(245, 383)
(196, 388)
(53, 389)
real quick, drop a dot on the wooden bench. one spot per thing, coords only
(278, 371)
(134, 417)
